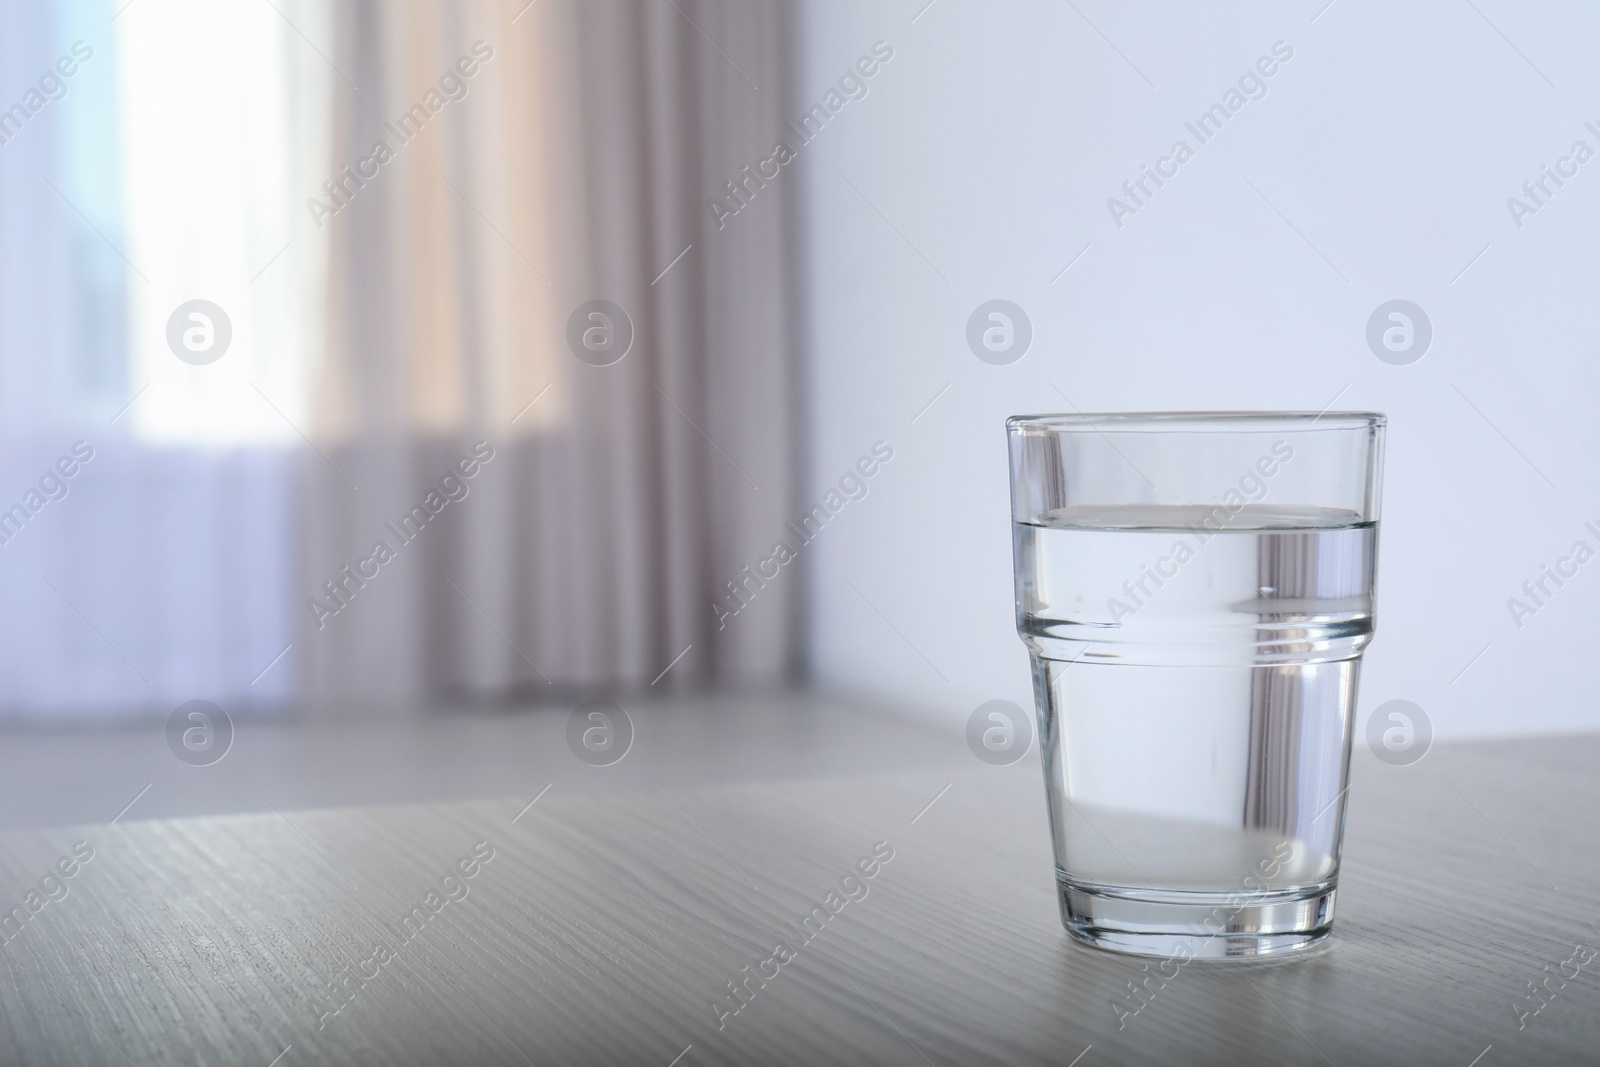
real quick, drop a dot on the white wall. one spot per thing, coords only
(1391, 142)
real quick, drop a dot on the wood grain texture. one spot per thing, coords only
(606, 926)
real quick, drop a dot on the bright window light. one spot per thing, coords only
(209, 171)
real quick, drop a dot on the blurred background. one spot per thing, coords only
(396, 377)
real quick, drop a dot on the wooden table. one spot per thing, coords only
(606, 928)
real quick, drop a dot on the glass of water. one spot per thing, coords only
(1195, 591)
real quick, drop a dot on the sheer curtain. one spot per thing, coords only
(148, 555)
(535, 157)
(400, 483)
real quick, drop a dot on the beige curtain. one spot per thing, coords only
(608, 506)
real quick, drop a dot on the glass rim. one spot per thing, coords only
(1196, 421)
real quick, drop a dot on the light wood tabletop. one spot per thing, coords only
(613, 928)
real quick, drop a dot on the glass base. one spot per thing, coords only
(1196, 925)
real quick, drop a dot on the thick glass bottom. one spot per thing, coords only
(1196, 925)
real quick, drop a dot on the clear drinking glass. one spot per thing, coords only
(1195, 591)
